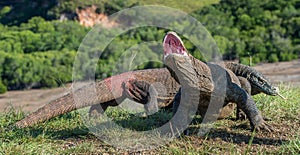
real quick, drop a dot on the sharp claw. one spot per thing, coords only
(264, 126)
(136, 94)
(142, 93)
(267, 129)
(270, 128)
(140, 89)
(130, 94)
(135, 91)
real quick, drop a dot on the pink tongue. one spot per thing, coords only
(173, 45)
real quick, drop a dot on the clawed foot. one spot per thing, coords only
(137, 90)
(241, 116)
(263, 126)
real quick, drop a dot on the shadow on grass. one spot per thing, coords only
(77, 132)
(52, 130)
(214, 134)
(142, 124)
(239, 138)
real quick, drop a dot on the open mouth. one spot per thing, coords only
(172, 44)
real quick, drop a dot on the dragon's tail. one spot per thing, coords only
(54, 108)
(101, 92)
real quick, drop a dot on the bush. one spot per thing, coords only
(273, 58)
(3, 88)
(245, 60)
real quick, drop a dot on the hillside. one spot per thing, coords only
(39, 39)
(20, 11)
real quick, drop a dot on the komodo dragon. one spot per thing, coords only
(201, 83)
(135, 85)
(250, 79)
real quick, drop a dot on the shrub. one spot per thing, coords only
(273, 58)
(3, 88)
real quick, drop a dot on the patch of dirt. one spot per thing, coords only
(281, 71)
(31, 100)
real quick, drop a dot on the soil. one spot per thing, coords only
(31, 100)
(281, 72)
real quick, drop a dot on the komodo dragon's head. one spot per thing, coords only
(173, 44)
(187, 70)
(176, 57)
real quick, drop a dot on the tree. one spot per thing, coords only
(38, 25)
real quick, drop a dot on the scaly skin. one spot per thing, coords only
(155, 88)
(258, 82)
(135, 88)
(109, 92)
(207, 82)
(252, 81)
(135, 85)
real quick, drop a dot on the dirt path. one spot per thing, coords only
(31, 100)
(282, 72)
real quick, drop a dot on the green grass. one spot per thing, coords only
(68, 134)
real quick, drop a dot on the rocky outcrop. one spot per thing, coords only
(89, 17)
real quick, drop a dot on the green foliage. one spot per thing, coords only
(38, 53)
(252, 27)
(223, 43)
(40, 35)
(39, 69)
(187, 5)
(3, 88)
(4, 10)
(273, 58)
(38, 25)
(22, 11)
(245, 60)
(17, 12)
(104, 6)
(113, 6)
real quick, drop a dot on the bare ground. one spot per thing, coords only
(282, 71)
(31, 100)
